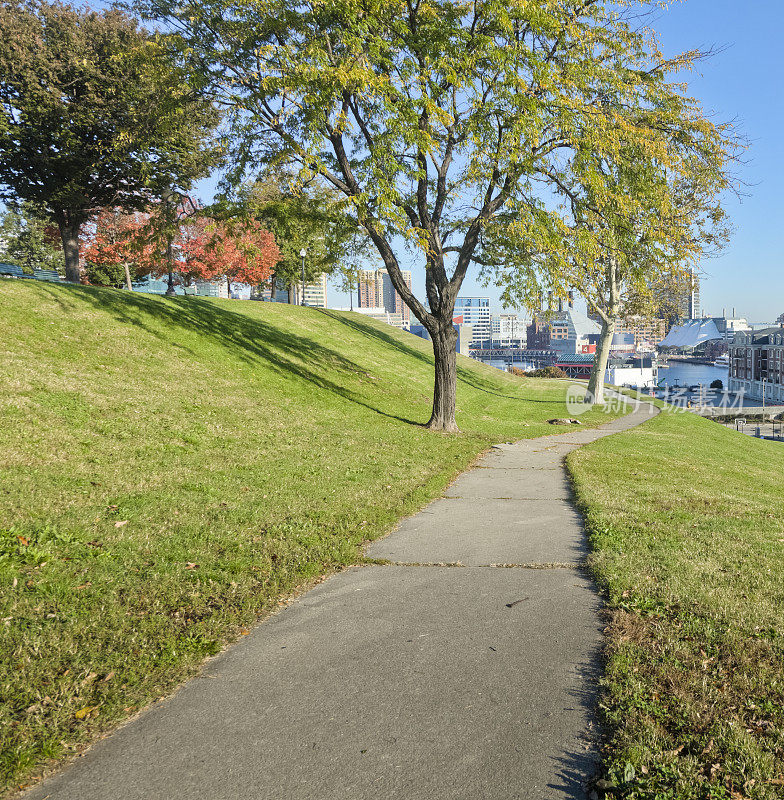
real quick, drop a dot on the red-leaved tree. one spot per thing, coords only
(239, 252)
(200, 248)
(117, 239)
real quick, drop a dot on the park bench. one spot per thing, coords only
(46, 275)
(13, 271)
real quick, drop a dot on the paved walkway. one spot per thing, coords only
(464, 669)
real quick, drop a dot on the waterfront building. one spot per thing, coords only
(158, 285)
(315, 293)
(507, 330)
(648, 332)
(571, 331)
(757, 364)
(633, 371)
(689, 306)
(475, 311)
(375, 290)
(710, 336)
(681, 301)
(212, 289)
(537, 335)
(382, 315)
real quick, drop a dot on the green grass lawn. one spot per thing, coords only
(173, 468)
(686, 521)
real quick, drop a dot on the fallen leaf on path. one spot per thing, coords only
(121, 523)
(191, 565)
(24, 542)
(82, 713)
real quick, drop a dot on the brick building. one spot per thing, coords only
(757, 364)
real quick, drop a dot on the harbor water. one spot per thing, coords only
(676, 373)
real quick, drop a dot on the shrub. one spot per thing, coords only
(545, 372)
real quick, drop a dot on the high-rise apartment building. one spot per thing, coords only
(680, 301)
(475, 311)
(689, 297)
(316, 292)
(376, 291)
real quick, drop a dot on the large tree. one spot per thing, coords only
(94, 114)
(432, 117)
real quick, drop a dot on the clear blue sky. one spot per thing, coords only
(743, 82)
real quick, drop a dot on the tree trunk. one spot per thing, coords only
(128, 282)
(228, 288)
(69, 233)
(596, 381)
(291, 294)
(445, 389)
(170, 291)
(608, 317)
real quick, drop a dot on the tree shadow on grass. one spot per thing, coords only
(470, 377)
(250, 339)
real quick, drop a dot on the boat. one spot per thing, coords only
(722, 361)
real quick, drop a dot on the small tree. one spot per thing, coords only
(94, 114)
(27, 239)
(312, 218)
(243, 252)
(117, 249)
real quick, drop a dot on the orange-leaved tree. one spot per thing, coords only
(117, 245)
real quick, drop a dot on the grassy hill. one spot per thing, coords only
(686, 520)
(172, 468)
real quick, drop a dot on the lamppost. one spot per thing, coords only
(167, 196)
(302, 254)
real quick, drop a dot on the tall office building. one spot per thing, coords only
(376, 291)
(689, 297)
(679, 300)
(475, 311)
(315, 293)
